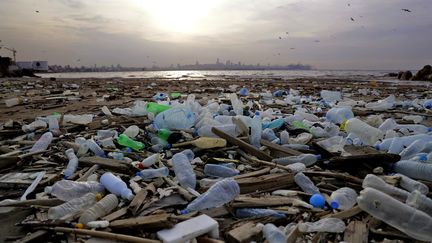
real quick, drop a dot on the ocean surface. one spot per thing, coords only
(228, 74)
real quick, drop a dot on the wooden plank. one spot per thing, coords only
(356, 232)
(205, 239)
(137, 201)
(342, 176)
(115, 215)
(116, 165)
(354, 161)
(246, 146)
(88, 173)
(32, 236)
(294, 235)
(253, 174)
(145, 222)
(244, 233)
(279, 148)
(265, 182)
(267, 201)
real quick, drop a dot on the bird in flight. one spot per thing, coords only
(37, 11)
(352, 19)
(406, 10)
(280, 38)
(292, 48)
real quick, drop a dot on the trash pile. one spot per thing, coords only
(275, 166)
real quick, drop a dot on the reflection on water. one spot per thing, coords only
(228, 74)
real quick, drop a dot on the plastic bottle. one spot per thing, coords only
(34, 126)
(268, 134)
(414, 169)
(413, 149)
(421, 202)
(257, 212)
(306, 159)
(388, 124)
(83, 146)
(273, 234)
(116, 186)
(375, 182)
(224, 119)
(95, 148)
(415, 128)
(124, 140)
(330, 96)
(78, 119)
(151, 160)
(73, 206)
(399, 142)
(183, 170)
(206, 131)
(330, 225)
(43, 142)
(189, 154)
(160, 96)
(217, 195)
(427, 104)
(153, 173)
(368, 134)
(164, 134)
(66, 190)
(296, 167)
(132, 131)
(276, 123)
(255, 131)
(72, 165)
(284, 137)
(339, 114)
(100, 209)
(177, 118)
(412, 185)
(215, 170)
(343, 198)
(409, 220)
(156, 108)
(53, 124)
(306, 184)
(102, 134)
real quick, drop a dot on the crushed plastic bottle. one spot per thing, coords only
(339, 114)
(132, 131)
(72, 165)
(34, 126)
(369, 135)
(306, 184)
(176, 118)
(375, 182)
(116, 186)
(273, 234)
(330, 225)
(100, 209)
(215, 170)
(153, 173)
(306, 159)
(66, 190)
(183, 170)
(73, 206)
(257, 212)
(331, 96)
(217, 195)
(244, 92)
(343, 198)
(420, 201)
(412, 185)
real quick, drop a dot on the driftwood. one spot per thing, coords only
(145, 222)
(265, 182)
(112, 164)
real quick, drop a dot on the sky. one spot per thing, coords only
(138, 33)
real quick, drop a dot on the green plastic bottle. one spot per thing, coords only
(300, 125)
(156, 108)
(124, 140)
(164, 134)
(175, 95)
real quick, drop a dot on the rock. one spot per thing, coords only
(407, 75)
(423, 73)
(430, 77)
(392, 75)
(400, 74)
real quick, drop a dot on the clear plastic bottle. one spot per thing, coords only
(73, 206)
(176, 118)
(276, 123)
(95, 148)
(206, 131)
(101, 134)
(414, 169)
(220, 193)
(368, 134)
(268, 134)
(72, 165)
(375, 182)
(183, 170)
(395, 145)
(296, 167)
(409, 220)
(100, 209)
(189, 154)
(236, 104)
(306, 159)
(284, 137)
(224, 119)
(83, 146)
(414, 128)
(215, 170)
(34, 126)
(78, 119)
(257, 212)
(255, 131)
(420, 201)
(339, 114)
(153, 173)
(306, 184)
(273, 234)
(413, 149)
(53, 124)
(43, 142)
(151, 160)
(116, 186)
(330, 225)
(132, 131)
(412, 185)
(66, 190)
(343, 198)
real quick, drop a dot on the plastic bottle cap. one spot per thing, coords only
(378, 146)
(334, 205)
(79, 226)
(430, 129)
(184, 211)
(99, 196)
(138, 174)
(423, 157)
(317, 200)
(318, 156)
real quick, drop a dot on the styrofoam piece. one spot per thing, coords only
(190, 229)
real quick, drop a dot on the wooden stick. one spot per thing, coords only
(279, 148)
(266, 163)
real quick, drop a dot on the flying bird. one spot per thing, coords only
(352, 19)
(280, 38)
(286, 32)
(349, 4)
(406, 10)
(292, 48)
(37, 11)
(317, 41)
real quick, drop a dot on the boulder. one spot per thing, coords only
(423, 73)
(407, 75)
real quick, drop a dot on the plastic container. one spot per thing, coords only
(388, 124)
(421, 202)
(257, 212)
(306, 184)
(78, 119)
(236, 104)
(396, 144)
(330, 225)
(183, 170)
(412, 185)
(95, 148)
(73, 206)
(100, 209)
(116, 186)
(189, 154)
(153, 173)
(132, 131)
(414, 169)
(379, 184)
(34, 126)
(220, 193)
(66, 190)
(100, 224)
(43, 142)
(156, 108)
(72, 165)
(273, 234)
(343, 198)
(160, 96)
(409, 220)
(177, 118)
(215, 170)
(306, 159)
(124, 140)
(339, 114)
(368, 135)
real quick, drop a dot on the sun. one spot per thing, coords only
(180, 16)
